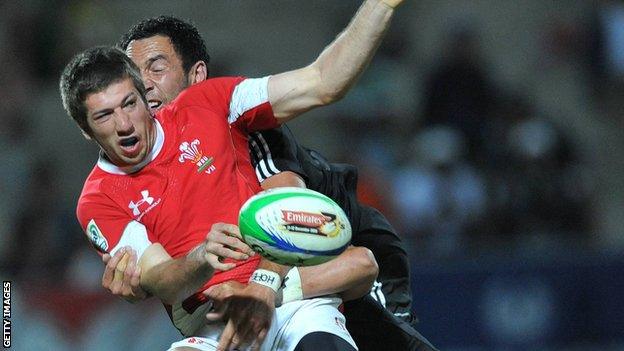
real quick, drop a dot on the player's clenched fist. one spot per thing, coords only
(224, 241)
(122, 275)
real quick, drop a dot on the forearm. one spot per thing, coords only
(336, 69)
(351, 275)
(174, 280)
(343, 61)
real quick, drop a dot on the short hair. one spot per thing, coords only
(186, 40)
(92, 71)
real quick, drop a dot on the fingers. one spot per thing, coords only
(218, 249)
(122, 275)
(229, 235)
(127, 272)
(229, 229)
(109, 271)
(259, 340)
(135, 284)
(225, 341)
(121, 265)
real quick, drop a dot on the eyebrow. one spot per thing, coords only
(107, 110)
(153, 59)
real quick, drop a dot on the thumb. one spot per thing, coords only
(215, 316)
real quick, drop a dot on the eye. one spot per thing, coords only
(130, 103)
(158, 66)
(101, 117)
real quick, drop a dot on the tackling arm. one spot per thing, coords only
(351, 275)
(337, 68)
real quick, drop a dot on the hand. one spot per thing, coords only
(122, 275)
(392, 3)
(249, 311)
(223, 241)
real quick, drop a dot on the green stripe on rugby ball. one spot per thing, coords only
(256, 237)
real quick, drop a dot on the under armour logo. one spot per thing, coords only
(146, 199)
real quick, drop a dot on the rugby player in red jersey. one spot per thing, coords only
(136, 188)
(171, 56)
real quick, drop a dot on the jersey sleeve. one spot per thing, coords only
(249, 108)
(243, 101)
(274, 151)
(109, 228)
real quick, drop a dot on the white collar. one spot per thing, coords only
(108, 167)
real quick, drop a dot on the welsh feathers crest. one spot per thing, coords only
(192, 152)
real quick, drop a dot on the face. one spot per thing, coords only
(161, 68)
(121, 123)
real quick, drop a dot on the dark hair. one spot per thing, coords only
(187, 42)
(92, 71)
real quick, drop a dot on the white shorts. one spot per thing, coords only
(291, 322)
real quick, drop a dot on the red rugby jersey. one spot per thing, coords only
(197, 174)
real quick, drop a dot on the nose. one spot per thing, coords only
(148, 82)
(123, 124)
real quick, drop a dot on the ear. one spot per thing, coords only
(198, 73)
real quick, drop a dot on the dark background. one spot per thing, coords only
(489, 132)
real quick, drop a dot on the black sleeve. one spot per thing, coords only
(273, 151)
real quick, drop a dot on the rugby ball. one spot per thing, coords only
(294, 226)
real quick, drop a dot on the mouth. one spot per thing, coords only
(129, 145)
(154, 105)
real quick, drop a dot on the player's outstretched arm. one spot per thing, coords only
(337, 68)
(173, 280)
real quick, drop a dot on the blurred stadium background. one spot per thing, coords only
(490, 132)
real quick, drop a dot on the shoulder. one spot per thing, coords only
(95, 190)
(210, 90)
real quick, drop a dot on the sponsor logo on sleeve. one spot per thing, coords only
(96, 236)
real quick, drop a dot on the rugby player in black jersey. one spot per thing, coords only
(280, 161)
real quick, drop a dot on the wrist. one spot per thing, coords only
(198, 258)
(267, 278)
(196, 254)
(292, 289)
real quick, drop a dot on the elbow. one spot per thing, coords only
(331, 95)
(168, 299)
(366, 263)
(328, 90)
